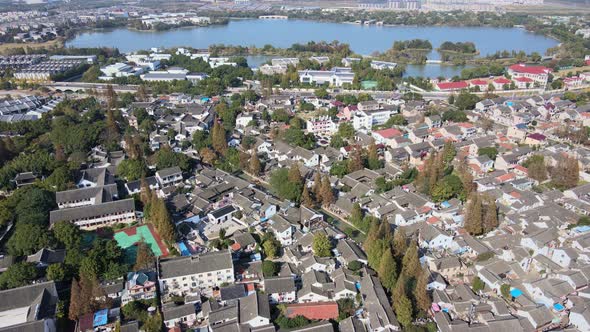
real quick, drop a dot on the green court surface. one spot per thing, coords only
(128, 238)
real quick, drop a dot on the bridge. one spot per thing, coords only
(81, 87)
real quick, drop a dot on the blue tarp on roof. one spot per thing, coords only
(183, 249)
(445, 204)
(515, 292)
(558, 307)
(581, 229)
(101, 318)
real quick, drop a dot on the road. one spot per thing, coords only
(77, 86)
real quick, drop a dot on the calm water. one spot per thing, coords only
(284, 33)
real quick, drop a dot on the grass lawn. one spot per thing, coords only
(56, 43)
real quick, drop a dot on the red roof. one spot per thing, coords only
(587, 62)
(537, 136)
(479, 82)
(524, 69)
(388, 133)
(502, 80)
(452, 85)
(316, 310)
(523, 79)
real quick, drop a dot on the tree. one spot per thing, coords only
(473, 222)
(326, 192)
(466, 101)
(132, 169)
(254, 166)
(490, 214)
(56, 272)
(410, 262)
(356, 215)
(505, 291)
(355, 265)
(400, 244)
(270, 248)
(387, 269)
(283, 187)
(144, 257)
(27, 239)
(477, 284)
(75, 309)
(317, 186)
(322, 247)
(68, 235)
(404, 310)
(321, 93)
(566, 173)
(294, 175)
(450, 186)
(218, 139)
(536, 167)
(306, 199)
(17, 275)
(373, 157)
(270, 268)
(489, 151)
(422, 298)
(356, 161)
(346, 130)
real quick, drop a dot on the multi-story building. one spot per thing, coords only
(334, 77)
(95, 216)
(169, 176)
(139, 286)
(321, 125)
(195, 274)
(539, 74)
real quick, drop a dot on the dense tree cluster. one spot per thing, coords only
(481, 214)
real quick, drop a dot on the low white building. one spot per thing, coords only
(334, 77)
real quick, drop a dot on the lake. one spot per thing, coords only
(283, 33)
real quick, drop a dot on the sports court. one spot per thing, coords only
(128, 238)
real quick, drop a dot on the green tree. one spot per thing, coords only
(387, 269)
(477, 284)
(56, 272)
(27, 239)
(373, 157)
(67, 235)
(404, 310)
(422, 298)
(270, 268)
(17, 275)
(321, 93)
(132, 169)
(466, 101)
(322, 247)
(490, 151)
(270, 248)
(346, 130)
(505, 291)
(410, 262)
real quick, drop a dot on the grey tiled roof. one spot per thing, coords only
(78, 213)
(181, 266)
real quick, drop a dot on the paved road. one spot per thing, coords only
(75, 86)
